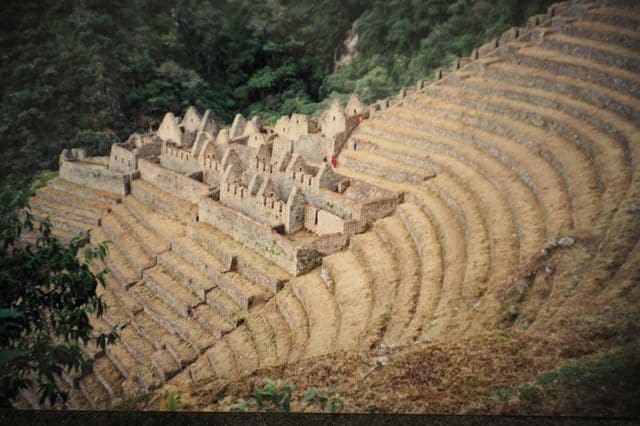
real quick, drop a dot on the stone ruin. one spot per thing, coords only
(273, 189)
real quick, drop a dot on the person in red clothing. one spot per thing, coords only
(333, 160)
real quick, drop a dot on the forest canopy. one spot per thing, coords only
(86, 73)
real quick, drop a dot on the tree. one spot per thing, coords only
(46, 298)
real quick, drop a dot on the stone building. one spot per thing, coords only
(276, 180)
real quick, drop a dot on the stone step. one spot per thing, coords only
(159, 200)
(616, 123)
(244, 350)
(169, 291)
(76, 401)
(281, 331)
(72, 200)
(165, 364)
(226, 306)
(108, 375)
(94, 392)
(494, 197)
(65, 237)
(622, 17)
(188, 329)
(378, 165)
(606, 53)
(150, 242)
(148, 328)
(354, 297)
(128, 244)
(121, 296)
(539, 174)
(222, 360)
(432, 252)
(382, 272)
(147, 378)
(116, 261)
(83, 192)
(321, 311)
(608, 152)
(201, 369)
(235, 285)
(212, 321)
(263, 337)
(201, 259)
(250, 264)
(183, 353)
(602, 96)
(140, 339)
(186, 273)
(64, 211)
(449, 234)
(576, 134)
(399, 152)
(65, 224)
(611, 34)
(293, 313)
(398, 241)
(518, 187)
(571, 99)
(607, 75)
(580, 179)
(217, 243)
(122, 359)
(482, 260)
(114, 314)
(164, 227)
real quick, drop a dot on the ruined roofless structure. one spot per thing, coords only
(272, 189)
(515, 171)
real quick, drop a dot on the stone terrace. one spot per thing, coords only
(532, 138)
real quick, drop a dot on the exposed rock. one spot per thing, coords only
(566, 242)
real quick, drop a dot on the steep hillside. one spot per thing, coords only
(517, 241)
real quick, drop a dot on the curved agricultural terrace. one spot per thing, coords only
(517, 177)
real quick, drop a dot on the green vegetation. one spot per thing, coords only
(600, 381)
(273, 397)
(167, 400)
(46, 298)
(88, 73)
(403, 41)
(327, 399)
(277, 397)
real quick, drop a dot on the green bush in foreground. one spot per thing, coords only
(277, 397)
(46, 298)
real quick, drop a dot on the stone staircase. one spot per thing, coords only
(537, 140)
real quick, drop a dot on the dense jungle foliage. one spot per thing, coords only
(86, 73)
